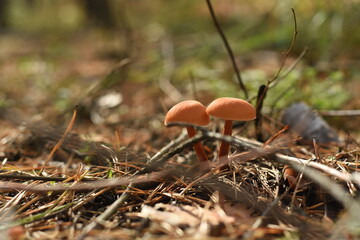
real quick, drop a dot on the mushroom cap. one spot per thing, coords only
(189, 111)
(231, 109)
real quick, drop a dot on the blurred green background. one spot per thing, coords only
(53, 52)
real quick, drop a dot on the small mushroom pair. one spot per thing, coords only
(194, 112)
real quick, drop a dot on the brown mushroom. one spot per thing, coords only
(193, 112)
(230, 109)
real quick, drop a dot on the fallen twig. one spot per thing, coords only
(293, 160)
(257, 150)
(110, 210)
(88, 186)
(340, 113)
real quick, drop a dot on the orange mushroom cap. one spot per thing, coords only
(231, 109)
(189, 111)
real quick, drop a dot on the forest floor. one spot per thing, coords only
(85, 155)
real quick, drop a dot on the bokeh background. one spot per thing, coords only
(61, 53)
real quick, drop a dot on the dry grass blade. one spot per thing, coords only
(57, 146)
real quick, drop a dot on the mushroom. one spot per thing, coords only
(193, 112)
(230, 109)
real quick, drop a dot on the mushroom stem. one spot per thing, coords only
(225, 146)
(198, 147)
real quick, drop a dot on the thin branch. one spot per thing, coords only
(288, 51)
(89, 186)
(294, 160)
(172, 144)
(110, 210)
(256, 150)
(340, 113)
(290, 68)
(287, 72)
(334, 189)
(264, 89)
(228, 48)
